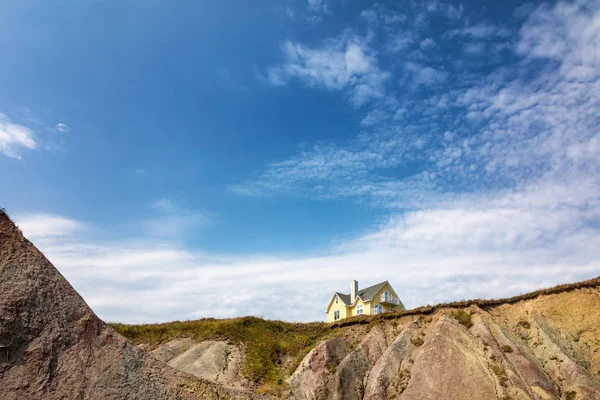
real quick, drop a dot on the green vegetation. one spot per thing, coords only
(507, 349)
(500, 372)
(463, 318)
(570, 395)
(268, 343)
(417, 341)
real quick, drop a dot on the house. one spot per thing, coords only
(368, 301)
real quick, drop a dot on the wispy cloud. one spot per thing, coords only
(319, 6)
(423, 75)
(344, 63)
(173, 221)
(14, 138)
(61, 127)
(480, 30)
(521, 123)
(48, 225)
(485, 246)
(228, 83)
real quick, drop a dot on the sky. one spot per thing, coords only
(222, 158)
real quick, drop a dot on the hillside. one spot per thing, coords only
(52, 346)
(543, 345)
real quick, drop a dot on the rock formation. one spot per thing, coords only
(545, 348)
(52, 346)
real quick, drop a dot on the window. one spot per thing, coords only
(336, 315)
(378, 308)
(386, 295)
(359, 310)
(336, 300)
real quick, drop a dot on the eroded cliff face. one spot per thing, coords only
(543, 348)
(546, 348)
(52, 346)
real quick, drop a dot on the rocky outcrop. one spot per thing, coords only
(52, 346)
(547, 348)
(216, 361)
(314, 378)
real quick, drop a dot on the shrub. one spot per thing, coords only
(524, 324)
(463, 318)
(417, 341)
(507, 349)
(571, 395)
(500, 372)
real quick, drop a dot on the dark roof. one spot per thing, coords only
(345, 298)
(368, 293)
(365, 294)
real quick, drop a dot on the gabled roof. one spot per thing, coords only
(367, 294)
(345, 298)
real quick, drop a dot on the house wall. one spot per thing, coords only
(334, 307)
(376, 299)
(352, 310)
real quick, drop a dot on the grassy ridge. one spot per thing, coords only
(268, 343)
(482, 303)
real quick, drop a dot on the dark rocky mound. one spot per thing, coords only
(52, 345)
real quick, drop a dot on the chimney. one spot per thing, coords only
(353, 290)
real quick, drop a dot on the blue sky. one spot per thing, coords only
(228, 158)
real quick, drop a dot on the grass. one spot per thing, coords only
(463, 318)
(417, 341)
(267, 343)
(481, 303)
(507, 349)
(500, 372)
(570, 395)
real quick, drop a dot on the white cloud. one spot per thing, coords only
(427, 44)
(344, 63)
(61, 127)
(227, 82)
(14, 137)
(482, 246)
(506, 130)
(318, 6)
(424, 75)
(173, 221)
(480, 30)
(450, 11)
(36, 226)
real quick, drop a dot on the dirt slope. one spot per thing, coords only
(542, 348)
(539, 346)
(52, 346)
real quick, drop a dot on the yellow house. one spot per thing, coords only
(374, 299)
